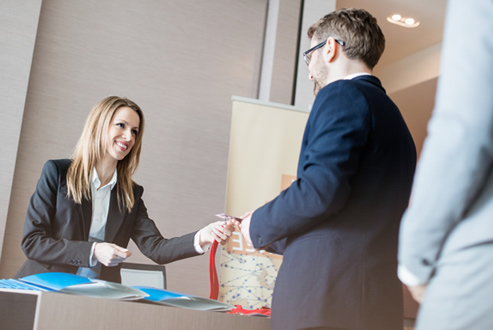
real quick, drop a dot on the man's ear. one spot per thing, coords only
(329, 50)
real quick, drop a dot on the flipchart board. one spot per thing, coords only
(264, 148)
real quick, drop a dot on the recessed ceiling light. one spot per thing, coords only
(408, 22)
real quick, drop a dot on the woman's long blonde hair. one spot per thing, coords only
(91, 148)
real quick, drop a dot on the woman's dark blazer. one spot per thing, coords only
(56, 231)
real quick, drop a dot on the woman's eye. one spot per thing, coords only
(135, 132)
(120, 125)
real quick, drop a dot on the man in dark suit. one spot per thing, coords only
(337, 225)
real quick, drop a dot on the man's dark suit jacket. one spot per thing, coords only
(337, 225)
(56, 230)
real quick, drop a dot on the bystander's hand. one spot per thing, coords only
(418, 292)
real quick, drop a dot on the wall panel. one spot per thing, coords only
(18, 26)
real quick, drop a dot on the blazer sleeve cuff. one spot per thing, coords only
(200, 249)
(407, 277)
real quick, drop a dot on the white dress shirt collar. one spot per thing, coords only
(354, 75)
(97, 183)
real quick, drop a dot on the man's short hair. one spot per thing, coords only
(358, 29)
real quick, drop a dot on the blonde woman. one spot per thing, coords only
(85, 210)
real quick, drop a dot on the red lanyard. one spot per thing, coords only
(214, 282)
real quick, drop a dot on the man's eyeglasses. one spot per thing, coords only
(308, 54)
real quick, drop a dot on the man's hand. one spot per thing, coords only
(110, 255)
(219, 231)
(245, 227)
(418, 292)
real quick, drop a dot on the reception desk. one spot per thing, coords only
(21, 310)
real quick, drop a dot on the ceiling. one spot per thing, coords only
(400, 41)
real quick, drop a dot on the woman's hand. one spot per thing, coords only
(219, 231)
(110, 255)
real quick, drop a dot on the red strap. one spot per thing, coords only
(265, 311)
(214, 282)
(214, 293)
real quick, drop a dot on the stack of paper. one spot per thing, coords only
(75, 284)
(175, 299)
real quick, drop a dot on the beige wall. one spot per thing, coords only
(180, 61)
(18, 25)
(415, 109)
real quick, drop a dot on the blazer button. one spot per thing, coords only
(259, 240)
(425, 262)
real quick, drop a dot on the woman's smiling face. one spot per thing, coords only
(122, 132)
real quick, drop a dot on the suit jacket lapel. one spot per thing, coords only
(115, 217)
